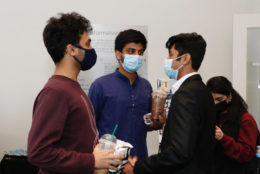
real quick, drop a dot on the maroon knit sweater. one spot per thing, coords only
(63, 132)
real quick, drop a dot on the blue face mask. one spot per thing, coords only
(132, 62)
(172, 73)
(89, 59)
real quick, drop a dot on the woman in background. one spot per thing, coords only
(236, 130)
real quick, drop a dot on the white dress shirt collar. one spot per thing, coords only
(179, 82)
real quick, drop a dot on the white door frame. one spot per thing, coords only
(242, 22)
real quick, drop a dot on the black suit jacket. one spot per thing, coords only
(189, 135)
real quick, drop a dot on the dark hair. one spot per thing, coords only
(222, 85)
(63, 30)
(191, 43)
(128, 36)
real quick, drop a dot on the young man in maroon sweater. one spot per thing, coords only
(63, 136)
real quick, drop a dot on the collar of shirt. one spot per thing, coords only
(179, 82)
(120, 75)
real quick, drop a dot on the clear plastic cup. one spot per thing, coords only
(107, 141)
(158, 102)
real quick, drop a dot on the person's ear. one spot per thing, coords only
(118, 55)
(186, 59)
(71, 50)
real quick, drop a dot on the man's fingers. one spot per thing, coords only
(132, 160)
(107, 151)
(119, 157)
(112, 167)
(162, 119)
(112, 156)
(113, 162)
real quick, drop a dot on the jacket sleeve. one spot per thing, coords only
(242, 150)
(95, 94)
(49, 119)
(182, 131)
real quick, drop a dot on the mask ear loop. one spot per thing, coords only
(179, 67)
(79, 47)
(177, 59)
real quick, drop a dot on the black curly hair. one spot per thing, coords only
(62, 30)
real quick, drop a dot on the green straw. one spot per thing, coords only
(113, 132)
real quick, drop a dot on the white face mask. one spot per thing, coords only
(132, 63)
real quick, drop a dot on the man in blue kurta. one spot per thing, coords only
(123, 97)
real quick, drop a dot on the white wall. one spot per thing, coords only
(26, 66)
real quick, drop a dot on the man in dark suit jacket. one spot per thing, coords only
(188, 138)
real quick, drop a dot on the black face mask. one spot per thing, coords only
(221, 106)
(89, 60)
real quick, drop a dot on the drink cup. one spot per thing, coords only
(107, 141)
(123, 149)
(158, 102)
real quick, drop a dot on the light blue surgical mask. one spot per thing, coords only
(132, 63)
(172, 73)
